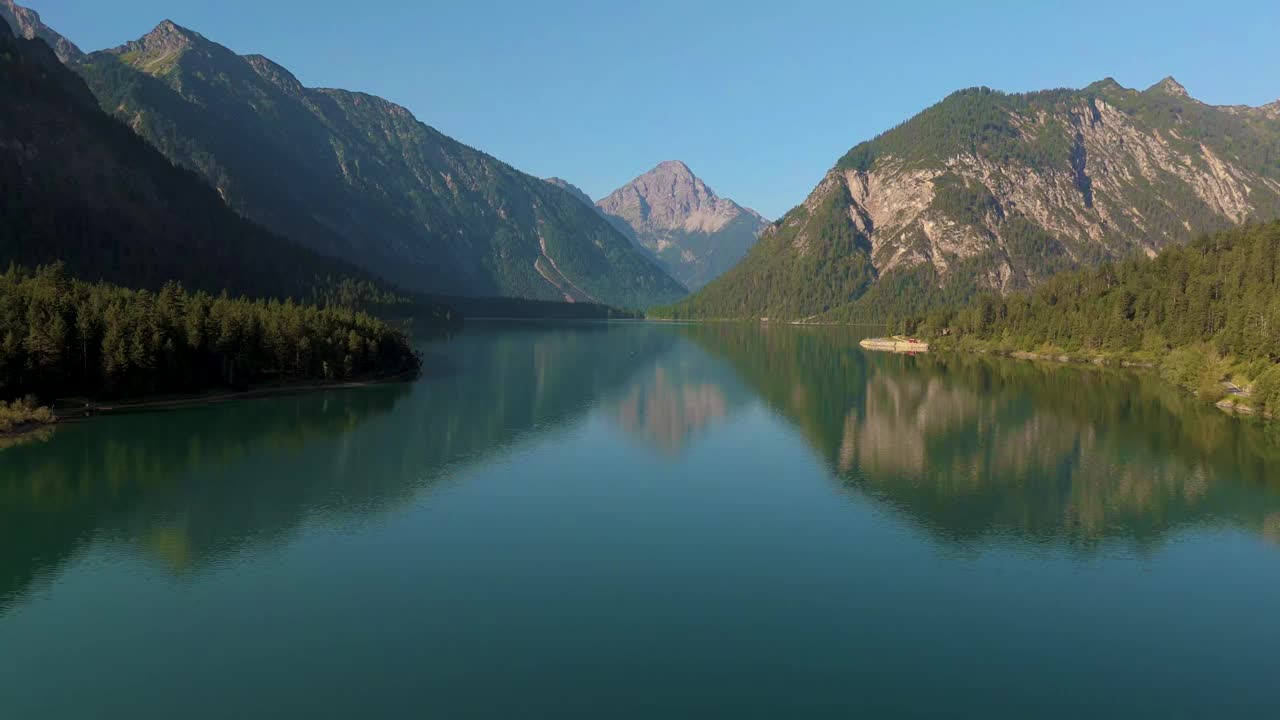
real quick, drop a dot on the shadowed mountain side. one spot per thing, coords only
(80, 187)
(355, 176)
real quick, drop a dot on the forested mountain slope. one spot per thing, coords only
(82, 188)
(1201, 312)
(991, 191)
(357, 177)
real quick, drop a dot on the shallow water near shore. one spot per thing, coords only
(640, 520)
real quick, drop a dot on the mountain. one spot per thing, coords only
(26, 23)
(357, 177)
(695, 234)
(987, 190)
(82, 188)
(573, 190)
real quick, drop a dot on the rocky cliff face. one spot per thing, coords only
(994, 191)
(696, 234)
(26, 23)
(357, 177)
(1126, 185)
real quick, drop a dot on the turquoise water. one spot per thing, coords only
(634, 520)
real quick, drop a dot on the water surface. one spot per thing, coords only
(635, 520)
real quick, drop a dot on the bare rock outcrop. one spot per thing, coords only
(692, 231)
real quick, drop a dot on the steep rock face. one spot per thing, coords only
(987, 191)
(696, 234)
(357, 177)
(1131, 188)
(26, 23)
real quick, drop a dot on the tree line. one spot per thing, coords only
(1203, 313)
(63, 337)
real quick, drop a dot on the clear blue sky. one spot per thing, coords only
(760, 99)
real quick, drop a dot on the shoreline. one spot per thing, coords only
(896, 344)
(171, 402)
(1229, 404)
(27, 428)
(68, 415)
(1099, 360)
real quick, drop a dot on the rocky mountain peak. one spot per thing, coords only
(671, 197)
(25, 22)
(1169, 86)
(694, 232)
(677, 168)
(169, 35)
(158, 52)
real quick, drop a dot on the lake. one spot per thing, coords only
(631, 520)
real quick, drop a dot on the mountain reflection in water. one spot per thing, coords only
(970, 449)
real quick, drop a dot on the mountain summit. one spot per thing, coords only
(694, 233)
(1169, 86)
(166, 39)
(26, 23)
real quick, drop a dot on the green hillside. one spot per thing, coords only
(1203, 313)
(993, 191)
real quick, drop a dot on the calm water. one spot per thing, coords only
(636, 521)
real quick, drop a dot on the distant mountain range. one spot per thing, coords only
(695, 234)
(983, 191)
(355, 177)
(991, 191)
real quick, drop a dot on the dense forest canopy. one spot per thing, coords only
(61, 337)
(1202, 312)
